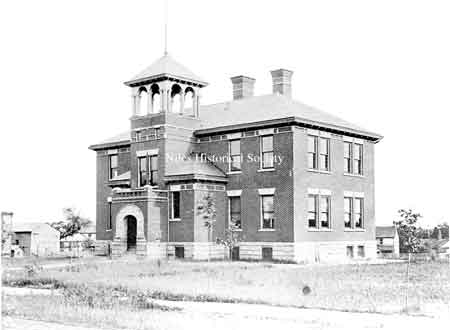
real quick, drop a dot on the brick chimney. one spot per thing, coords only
(242, 87)
(281, 81)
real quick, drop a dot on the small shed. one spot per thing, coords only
(388, 242)
(35, 238)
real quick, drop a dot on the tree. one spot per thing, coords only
(71, 224)
(207, 209)
(231, 239)
(440, 230)
(408, 231)
(409, 239)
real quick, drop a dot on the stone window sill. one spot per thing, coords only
(354, 230)
(266, 229)
(175, 220)
(266, 169)
(319, 230)
(234, 172)
(354, 175)
(319, 171)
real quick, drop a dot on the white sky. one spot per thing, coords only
(384, 65)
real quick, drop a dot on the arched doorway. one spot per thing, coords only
(129, 235)
(131, 224)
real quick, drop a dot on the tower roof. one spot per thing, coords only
(167, 67)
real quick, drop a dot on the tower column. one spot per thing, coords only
(134, 104)
(182, 95)
(149, 101)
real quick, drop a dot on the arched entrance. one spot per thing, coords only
(129, 235)
(131, 224)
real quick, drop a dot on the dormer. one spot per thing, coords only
(166, 86)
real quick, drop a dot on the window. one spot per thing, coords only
(312, 211)
(267, 253)
(235, 155)
(148, 170)
(267, 210)
(348, 210)
(324, 155)
(175, 209)
(324, 211)
(179, 252)
(143, 175)
(318, 153)
(353, 213)
(350, 251)
(109, 222)
(357, 158)
(358, 212)
(235, 212)
(319, 211)
(361, 252)
(312, 152)
(353, 158)
(113, 166)
(267, 151)
(347, 157)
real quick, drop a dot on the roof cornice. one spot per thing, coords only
(290, 121)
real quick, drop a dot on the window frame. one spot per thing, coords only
(318, 153)
(361, 212)
(232, 156)
(318, 212)
(312, 153)
(263, 152)
(149, 170)
(111, 169)
(352, 213)
(230, 213)
(172, 206)
(109, 220)
(351, 159)
(262, 212)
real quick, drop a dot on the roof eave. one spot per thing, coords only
(289, 120)
(109, 145)
(135, 82)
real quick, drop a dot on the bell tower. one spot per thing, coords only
(166, 86)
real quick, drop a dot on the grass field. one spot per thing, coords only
(371, 288)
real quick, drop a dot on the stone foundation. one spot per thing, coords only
(304, 252)
(308, 252)
(199, 251)
(102, 247)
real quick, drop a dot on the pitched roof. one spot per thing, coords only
(123, 137)
(166, 66)
(256, 110)
(270, 107)
(29, 226)
(385, 231)
(196, 167)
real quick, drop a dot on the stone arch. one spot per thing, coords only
(121, 226)
(189, 96)
(143, 100)
(176, 103)
(155, 95)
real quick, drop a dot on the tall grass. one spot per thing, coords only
(371, 288)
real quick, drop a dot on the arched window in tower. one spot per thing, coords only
(175, 99)
(156, 98)
(143, 101)
(189, 101)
